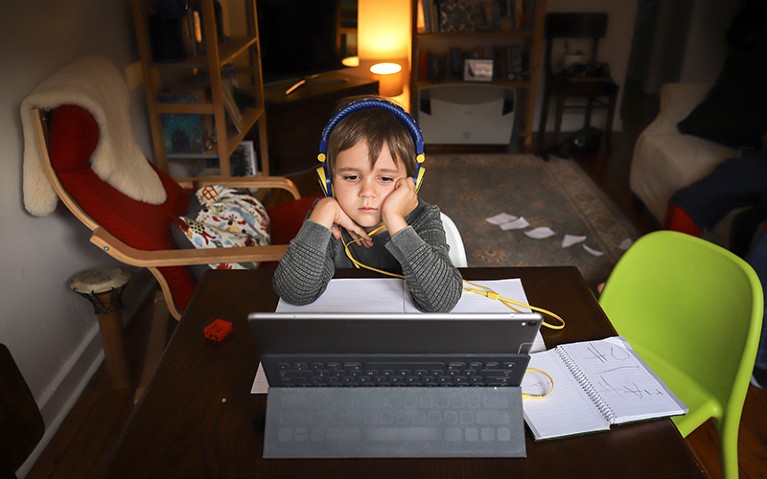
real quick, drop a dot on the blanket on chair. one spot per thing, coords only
(95, 84)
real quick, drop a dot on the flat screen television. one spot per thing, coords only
(303, 38)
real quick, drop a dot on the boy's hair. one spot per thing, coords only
(376, 126)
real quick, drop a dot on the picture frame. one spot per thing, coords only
(183, 133)
(478, 70)
(456, 17)
(243, 160)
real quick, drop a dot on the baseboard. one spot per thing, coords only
(75, 374)
(66, 394)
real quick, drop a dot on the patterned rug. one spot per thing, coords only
(556, 194)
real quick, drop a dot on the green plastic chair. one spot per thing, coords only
(693, 311)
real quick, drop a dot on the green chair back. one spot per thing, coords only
(693, 311)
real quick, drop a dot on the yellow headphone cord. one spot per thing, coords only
(547, 393)
(477, 289)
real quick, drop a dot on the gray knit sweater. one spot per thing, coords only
(419, 252)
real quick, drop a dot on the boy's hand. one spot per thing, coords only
(329, 214)
(400, 203)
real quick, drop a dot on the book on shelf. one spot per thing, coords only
(596, 384)
(444, 16)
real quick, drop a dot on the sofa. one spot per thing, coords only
(666, 160)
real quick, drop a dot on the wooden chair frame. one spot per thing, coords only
(176, 257)
(154, 259)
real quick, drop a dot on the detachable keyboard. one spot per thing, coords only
(428, 370)
(340, 422)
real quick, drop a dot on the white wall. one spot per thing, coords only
(706, 42)
(52, 332)
(614, 49)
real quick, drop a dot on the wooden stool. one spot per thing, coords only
(103, 288)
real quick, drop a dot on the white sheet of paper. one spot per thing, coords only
(517, 224)
(538, 344)
(476, 303)
(570, 240)
(260, 384)
(541, 232)
(380, 295)
(593, 251)
(626, 244)
(500, 219)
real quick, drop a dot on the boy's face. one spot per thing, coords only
(361, 190)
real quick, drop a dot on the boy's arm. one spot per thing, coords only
(304, 272)
(422, 250)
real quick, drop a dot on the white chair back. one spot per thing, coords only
(454, 240)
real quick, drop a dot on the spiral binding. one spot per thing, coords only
(587, 386)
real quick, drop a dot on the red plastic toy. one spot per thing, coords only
(218, 330)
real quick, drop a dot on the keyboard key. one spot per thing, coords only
(492, 417)
(392, 434)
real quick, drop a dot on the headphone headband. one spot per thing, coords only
(412, 127)
(396, 110)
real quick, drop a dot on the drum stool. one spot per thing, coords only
(103, 287)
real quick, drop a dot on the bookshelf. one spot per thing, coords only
(206, 97)
(508, 33)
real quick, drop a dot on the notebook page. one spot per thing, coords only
(567, 411)
(630, 389)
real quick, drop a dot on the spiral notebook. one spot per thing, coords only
(596, 384)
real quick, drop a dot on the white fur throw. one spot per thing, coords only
(95, 84)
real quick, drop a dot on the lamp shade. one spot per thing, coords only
(389, 76)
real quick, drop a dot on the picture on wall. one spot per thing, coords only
(182, 133)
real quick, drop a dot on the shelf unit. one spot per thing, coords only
(528, 36)
(238, 53)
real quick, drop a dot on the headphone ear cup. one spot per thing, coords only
(327, 187)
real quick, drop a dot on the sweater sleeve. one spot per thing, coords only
(306, 268)
(421, 248)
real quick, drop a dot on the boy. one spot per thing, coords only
(370, 162)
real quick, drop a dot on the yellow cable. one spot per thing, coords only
(358, 265)
(478, 288)
(539, 396)
(489, 293)
(484, 291)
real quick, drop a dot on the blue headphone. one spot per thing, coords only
(323, 172)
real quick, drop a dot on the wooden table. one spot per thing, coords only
(197, 417)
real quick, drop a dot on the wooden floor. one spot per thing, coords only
(85, 438)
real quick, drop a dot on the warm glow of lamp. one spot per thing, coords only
(351, 61)
(384, 29)
(389, 76)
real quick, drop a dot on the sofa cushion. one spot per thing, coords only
(734, 113)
